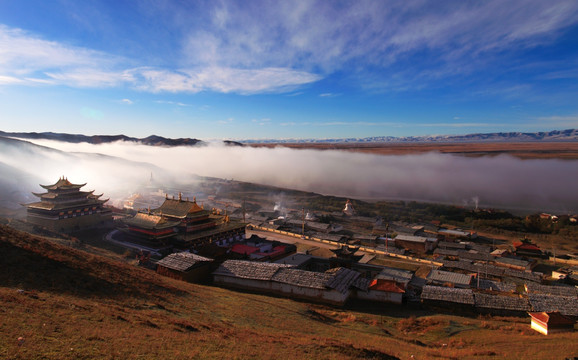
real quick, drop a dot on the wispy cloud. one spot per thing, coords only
(396, 46)
(262, 122)
(570, 121)
(29, 60)
(225, 80)
(171, 103)
(127, 101)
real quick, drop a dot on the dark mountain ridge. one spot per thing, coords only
(152, 140)
(155, 140)
(554, 135)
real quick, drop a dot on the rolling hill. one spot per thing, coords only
(65, 302)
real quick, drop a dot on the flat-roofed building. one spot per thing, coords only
(550, 322)
(185, 266)
(418, 244)
(449, 279)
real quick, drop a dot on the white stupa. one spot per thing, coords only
(348, 210)
(310, 216)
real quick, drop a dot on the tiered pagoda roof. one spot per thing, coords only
(64, 195)
(63, 184)
(150, 221)
(179, 208)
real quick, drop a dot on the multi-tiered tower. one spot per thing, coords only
(65, 208)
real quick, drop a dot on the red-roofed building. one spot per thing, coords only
(527, 249)
(551, 322)
(243, 249)
(381, 290)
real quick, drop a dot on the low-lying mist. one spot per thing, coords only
(500, 181)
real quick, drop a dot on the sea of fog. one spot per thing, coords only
(116, 169)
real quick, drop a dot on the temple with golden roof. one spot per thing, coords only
(181, 223)
(65, 208)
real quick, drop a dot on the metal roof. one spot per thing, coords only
(399, 275)
(411, 238)
(449, 277)
(182, 261)
(297, 259)
(342, 279)
(513, 262)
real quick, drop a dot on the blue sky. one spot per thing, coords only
(288, 69)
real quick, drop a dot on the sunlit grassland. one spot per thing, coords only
(63, 303)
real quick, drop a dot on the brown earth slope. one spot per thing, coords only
(58, 302)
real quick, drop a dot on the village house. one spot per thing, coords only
(439, 296)
(550, 322)
(449, 279)
(455, 235)
(185, 266)
(517, 264)
(527, 249)
(418, 244)
(381, 290)
(333, 286)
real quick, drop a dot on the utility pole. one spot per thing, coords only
(303, 223)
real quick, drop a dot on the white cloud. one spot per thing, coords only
(570, 121)
(235, 47)
(225, 80)
(27, 59)
(127, 101)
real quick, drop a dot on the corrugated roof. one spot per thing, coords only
(449, 277)
(399, 275)
(411, 238)
(249, 269)
(513, 262)
(451, 245)
(342, 279)
(182, 261)
(297, 259)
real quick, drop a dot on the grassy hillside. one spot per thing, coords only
(58, 302)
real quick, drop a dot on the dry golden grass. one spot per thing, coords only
(523, 150)
(63, 303)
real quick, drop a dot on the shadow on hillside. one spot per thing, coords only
(27, 270)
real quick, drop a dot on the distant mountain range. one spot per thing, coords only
(153, 140)
(556, 135)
